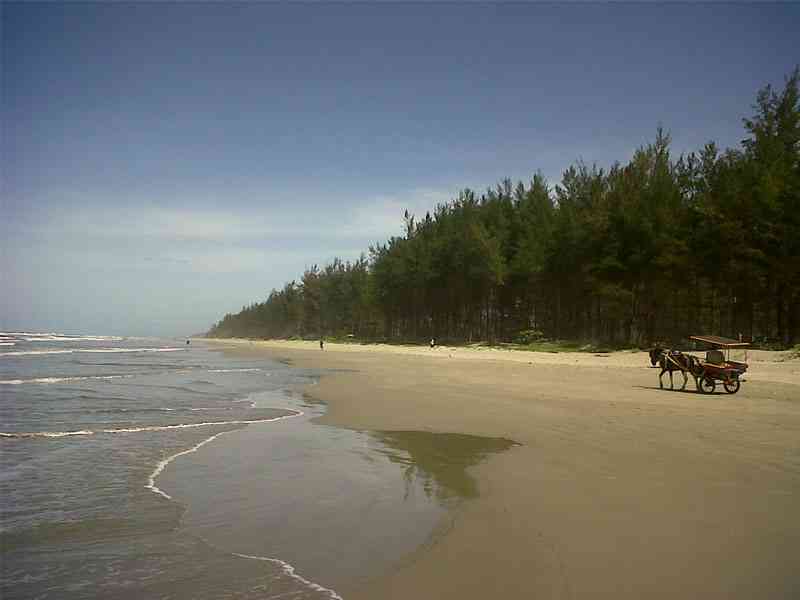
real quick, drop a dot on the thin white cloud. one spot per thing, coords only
(383, 216)
(374, 218)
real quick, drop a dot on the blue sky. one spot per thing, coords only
(163, 164)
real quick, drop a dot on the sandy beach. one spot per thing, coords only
(617, 489)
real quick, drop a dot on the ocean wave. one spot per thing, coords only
(102, 350)
(165, 366)
(66, 338)
(160, 409)
(35, 352)
(291, 572)
(286, 567)
(61, 379)
(180, 388)
(46, 434)
(137, 410)
(88, 350)
(8, 344)
(151, 481)
(52, 336)
(28, 333)
(162, 464)
(234, 370)
(57, 434)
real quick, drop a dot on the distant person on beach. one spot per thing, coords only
(433, 343)
(321, 343)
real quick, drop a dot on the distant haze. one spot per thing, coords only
(165, 164)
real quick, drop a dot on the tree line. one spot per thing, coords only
(651, 250)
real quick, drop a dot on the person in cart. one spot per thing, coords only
(718, 365)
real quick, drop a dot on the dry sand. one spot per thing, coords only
(618, 489)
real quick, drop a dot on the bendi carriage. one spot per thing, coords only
(718, 365)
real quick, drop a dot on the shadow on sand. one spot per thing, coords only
(677, 389)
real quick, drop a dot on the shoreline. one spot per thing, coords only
(164, 463)
(619, 489)
(251, 444)
(286, 568)
(765, 365)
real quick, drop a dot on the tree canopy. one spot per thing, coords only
(653, 249)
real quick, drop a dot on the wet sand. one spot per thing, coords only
(338, 505)
(617, 490)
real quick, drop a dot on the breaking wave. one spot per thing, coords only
(61, 379)
(66, 338)
(286, 567)
(290, 571)
(27, 333)
(88, 350)
(33, 352)
(57, 434)
(30, 336)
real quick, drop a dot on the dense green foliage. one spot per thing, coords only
(650, 250)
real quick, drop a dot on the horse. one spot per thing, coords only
(672, 360)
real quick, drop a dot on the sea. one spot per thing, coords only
(135, 467)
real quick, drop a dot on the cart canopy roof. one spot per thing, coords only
(720, 342)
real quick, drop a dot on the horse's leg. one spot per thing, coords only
(685, 379)
(691, 367)
(660, 375)
(671, 385)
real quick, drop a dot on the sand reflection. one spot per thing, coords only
(439, 461)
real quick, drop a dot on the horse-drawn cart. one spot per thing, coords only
(718, 365)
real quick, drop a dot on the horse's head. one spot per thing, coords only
(655, 355)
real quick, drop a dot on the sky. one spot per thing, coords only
(163, 164)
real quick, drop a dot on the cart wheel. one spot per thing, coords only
(707, 385)
(731, 386)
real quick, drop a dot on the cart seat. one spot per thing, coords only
(715, 357)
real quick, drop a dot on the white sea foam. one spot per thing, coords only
(7, 344)
(35, 352)
(88, 350)
(61, 379)
(102, 350)
(151, 481)
(218, 408)
(287, 568)
(295, 413)
(47, 434)
(29, 333)
(251, 402)
(56, 336)
(76, 338)
(291, 572)
(233, 370)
